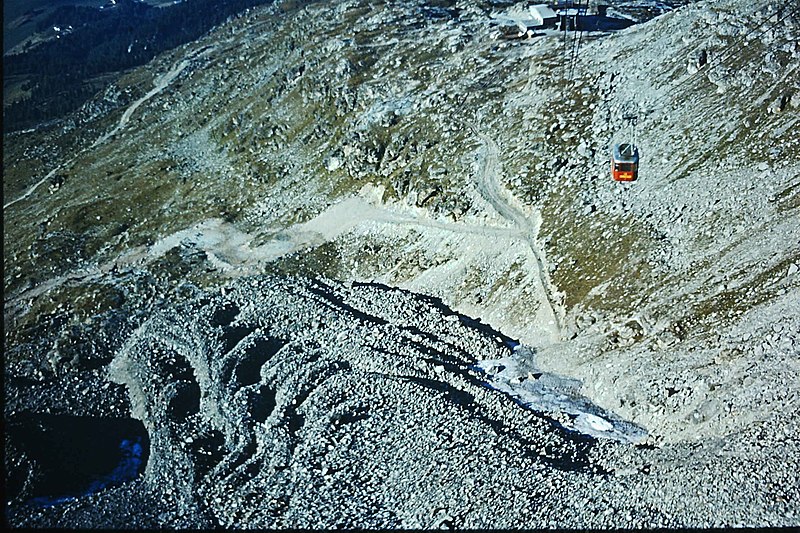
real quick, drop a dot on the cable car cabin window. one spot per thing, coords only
(624, 167)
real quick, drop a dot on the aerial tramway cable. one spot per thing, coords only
(724, 55)
(577, 36)
(574, 25)
(580, 38)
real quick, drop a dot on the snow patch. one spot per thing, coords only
(518, 376)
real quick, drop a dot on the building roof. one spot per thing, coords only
(542, 12)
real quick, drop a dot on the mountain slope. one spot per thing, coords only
(402, 145)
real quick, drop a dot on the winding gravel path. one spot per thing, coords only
(491, 190)
(161, 83)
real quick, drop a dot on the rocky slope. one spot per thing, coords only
(281, 402)
(428, 171)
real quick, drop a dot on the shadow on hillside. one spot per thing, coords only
(437, 303)
(599, 23)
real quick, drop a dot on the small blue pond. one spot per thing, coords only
(79, 455)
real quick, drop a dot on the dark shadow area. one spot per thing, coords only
(233, 335)
(443, 357)
(262, 403)
(451, 393)
(338, 304)
(292, 418)
(224, 315)
(437, 303)
(576, 459)
(232, 467)
(74, 456)
(349, 417)
(579, 444)
(486, 329)
(74, 63)
(598, 23)
(294, 421)
(438, 10)
(248, 371)
(185, 401)
(207, 451)
(172, 365)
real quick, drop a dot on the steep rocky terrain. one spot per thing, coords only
(305, 249)
(281, 402)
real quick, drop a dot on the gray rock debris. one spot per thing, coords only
(297, 403)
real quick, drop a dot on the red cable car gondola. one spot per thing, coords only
(624, 162)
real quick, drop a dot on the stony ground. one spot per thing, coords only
(393, 194)
(282, 402)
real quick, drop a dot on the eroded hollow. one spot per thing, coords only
(72, 456)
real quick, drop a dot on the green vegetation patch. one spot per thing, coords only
(719, 309)
(788, 199)
(596, 249)
(70, 303)
(320, 261)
